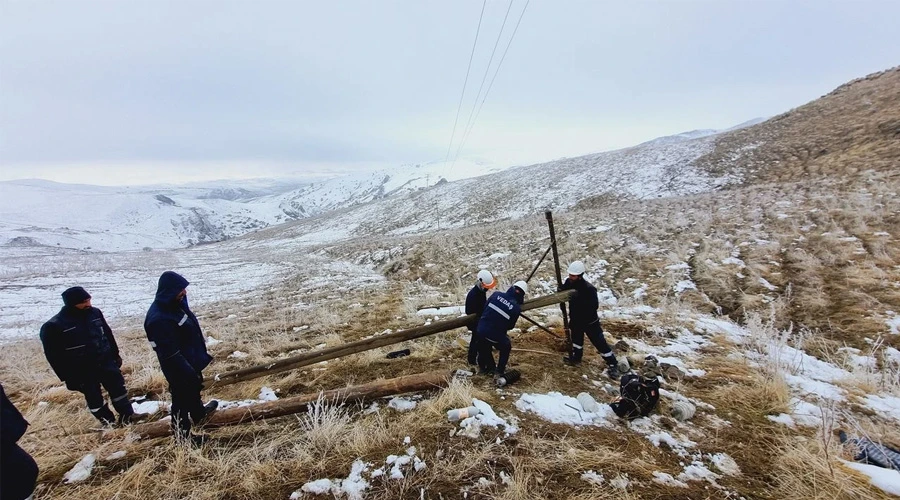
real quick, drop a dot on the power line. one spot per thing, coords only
(484, 78)
(471, 56)
(490, 85)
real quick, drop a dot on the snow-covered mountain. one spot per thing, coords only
(100, 218)
(401, 199)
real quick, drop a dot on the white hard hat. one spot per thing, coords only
(576, 267)
(486, 279)
(521, 285)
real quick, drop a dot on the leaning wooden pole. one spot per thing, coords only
(562, 305)
(310, 358)
(297, 404)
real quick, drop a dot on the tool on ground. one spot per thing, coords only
(462, 413)
(510, 377)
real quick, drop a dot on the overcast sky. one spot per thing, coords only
(105, 92)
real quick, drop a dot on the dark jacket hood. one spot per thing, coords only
(170, 285)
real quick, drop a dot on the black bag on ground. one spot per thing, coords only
(639, 396)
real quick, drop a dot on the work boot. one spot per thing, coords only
(104, 416)
(612, 371)
(571, 360)
(209, 409)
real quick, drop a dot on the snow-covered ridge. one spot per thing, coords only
(402, 199)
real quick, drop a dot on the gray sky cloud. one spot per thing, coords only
(289, 86)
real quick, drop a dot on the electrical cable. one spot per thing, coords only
(466, 81)
(502, 58)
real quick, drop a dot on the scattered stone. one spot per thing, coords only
(671, 372)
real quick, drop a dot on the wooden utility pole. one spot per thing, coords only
(297, 404)
(562, 305)
(310, 358)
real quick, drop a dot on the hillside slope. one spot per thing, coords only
(854, 128)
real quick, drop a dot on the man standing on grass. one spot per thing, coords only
(500, 315)
(81, 349)
(583, 318)
(475, 301)
(175, 335)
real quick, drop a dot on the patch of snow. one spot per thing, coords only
(886, 480)
(725, 464)
(805, 413)
(561, 409)
(735, 261)
(238, 355)
(471, 426)
(115, 456)
(893, 323)
(886, 406)
(150, 406)
(442, 311)
(696, 471)
(401, 404)
(667, 480)
(317, 487)
(267, 394)
(683, 285)
(893, 355)
(81, 470)
(607, 297)
(212, 341)
(620, 482)
(593, 478)
(679, 446)
(782, 418)
(767, 285)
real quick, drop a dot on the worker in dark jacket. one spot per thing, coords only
(500, 315)
(18, 471)
(475, 301)
(583, 318)
(175, 335)
(81, 349)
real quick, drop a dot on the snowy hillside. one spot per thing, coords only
(647, 171)
(97, 218)
(120, 218)
(407, 198)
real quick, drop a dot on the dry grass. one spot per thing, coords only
(814, 261)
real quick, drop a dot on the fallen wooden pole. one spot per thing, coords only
(311, 358)
(288, 406)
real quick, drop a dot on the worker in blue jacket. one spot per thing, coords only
(175, 335)
(500, 315)
(81, 349)
(18, 471)
(475, 302)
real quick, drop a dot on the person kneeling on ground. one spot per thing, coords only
(500, 315)
(475, 302)
(81, 349)
(175, 335)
